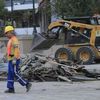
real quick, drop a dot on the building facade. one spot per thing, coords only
(21, 15)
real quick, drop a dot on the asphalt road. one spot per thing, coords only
(86, 90)
(54, 91)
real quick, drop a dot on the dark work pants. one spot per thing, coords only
(12, 72)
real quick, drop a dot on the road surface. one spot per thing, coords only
(87, 90)
(54, 91)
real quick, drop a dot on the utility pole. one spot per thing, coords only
(12, 11)
(34, 19)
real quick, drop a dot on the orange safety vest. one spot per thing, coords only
(13, 48)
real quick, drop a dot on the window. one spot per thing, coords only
(78, 35)
(97, 40)
(54, 33)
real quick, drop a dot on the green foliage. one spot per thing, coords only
(2, 10)
(67, 8)
(46, 7)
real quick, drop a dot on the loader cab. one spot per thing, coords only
(77, 35)
(57, 33)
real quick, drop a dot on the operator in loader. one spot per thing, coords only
(13, 56)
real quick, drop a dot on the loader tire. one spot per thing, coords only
(85, 55)
(62, 55)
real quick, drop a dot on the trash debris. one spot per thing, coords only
(38, 67)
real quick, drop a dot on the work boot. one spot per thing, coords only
(10, 91)
(28, 87)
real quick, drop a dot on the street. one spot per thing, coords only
(54, 91)
(83, 90)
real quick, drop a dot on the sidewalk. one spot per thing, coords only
(54, 91)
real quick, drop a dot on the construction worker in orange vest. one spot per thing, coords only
(13, 55)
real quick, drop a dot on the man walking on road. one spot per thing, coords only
(13, 55)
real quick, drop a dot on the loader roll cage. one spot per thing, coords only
(70, 32)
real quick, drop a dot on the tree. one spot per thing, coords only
(2, 9)
(67, 8)
(3, 12)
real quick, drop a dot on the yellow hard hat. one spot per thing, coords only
(8, 28)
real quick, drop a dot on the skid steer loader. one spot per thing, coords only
(80, 42)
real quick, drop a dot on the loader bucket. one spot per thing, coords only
(41, 42)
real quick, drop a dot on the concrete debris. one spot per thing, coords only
(38, 67)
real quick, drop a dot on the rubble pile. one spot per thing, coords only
(3, 70)
(38, 67)
(41, 68)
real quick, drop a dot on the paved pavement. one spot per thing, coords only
(54, 91)
(93, 67)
